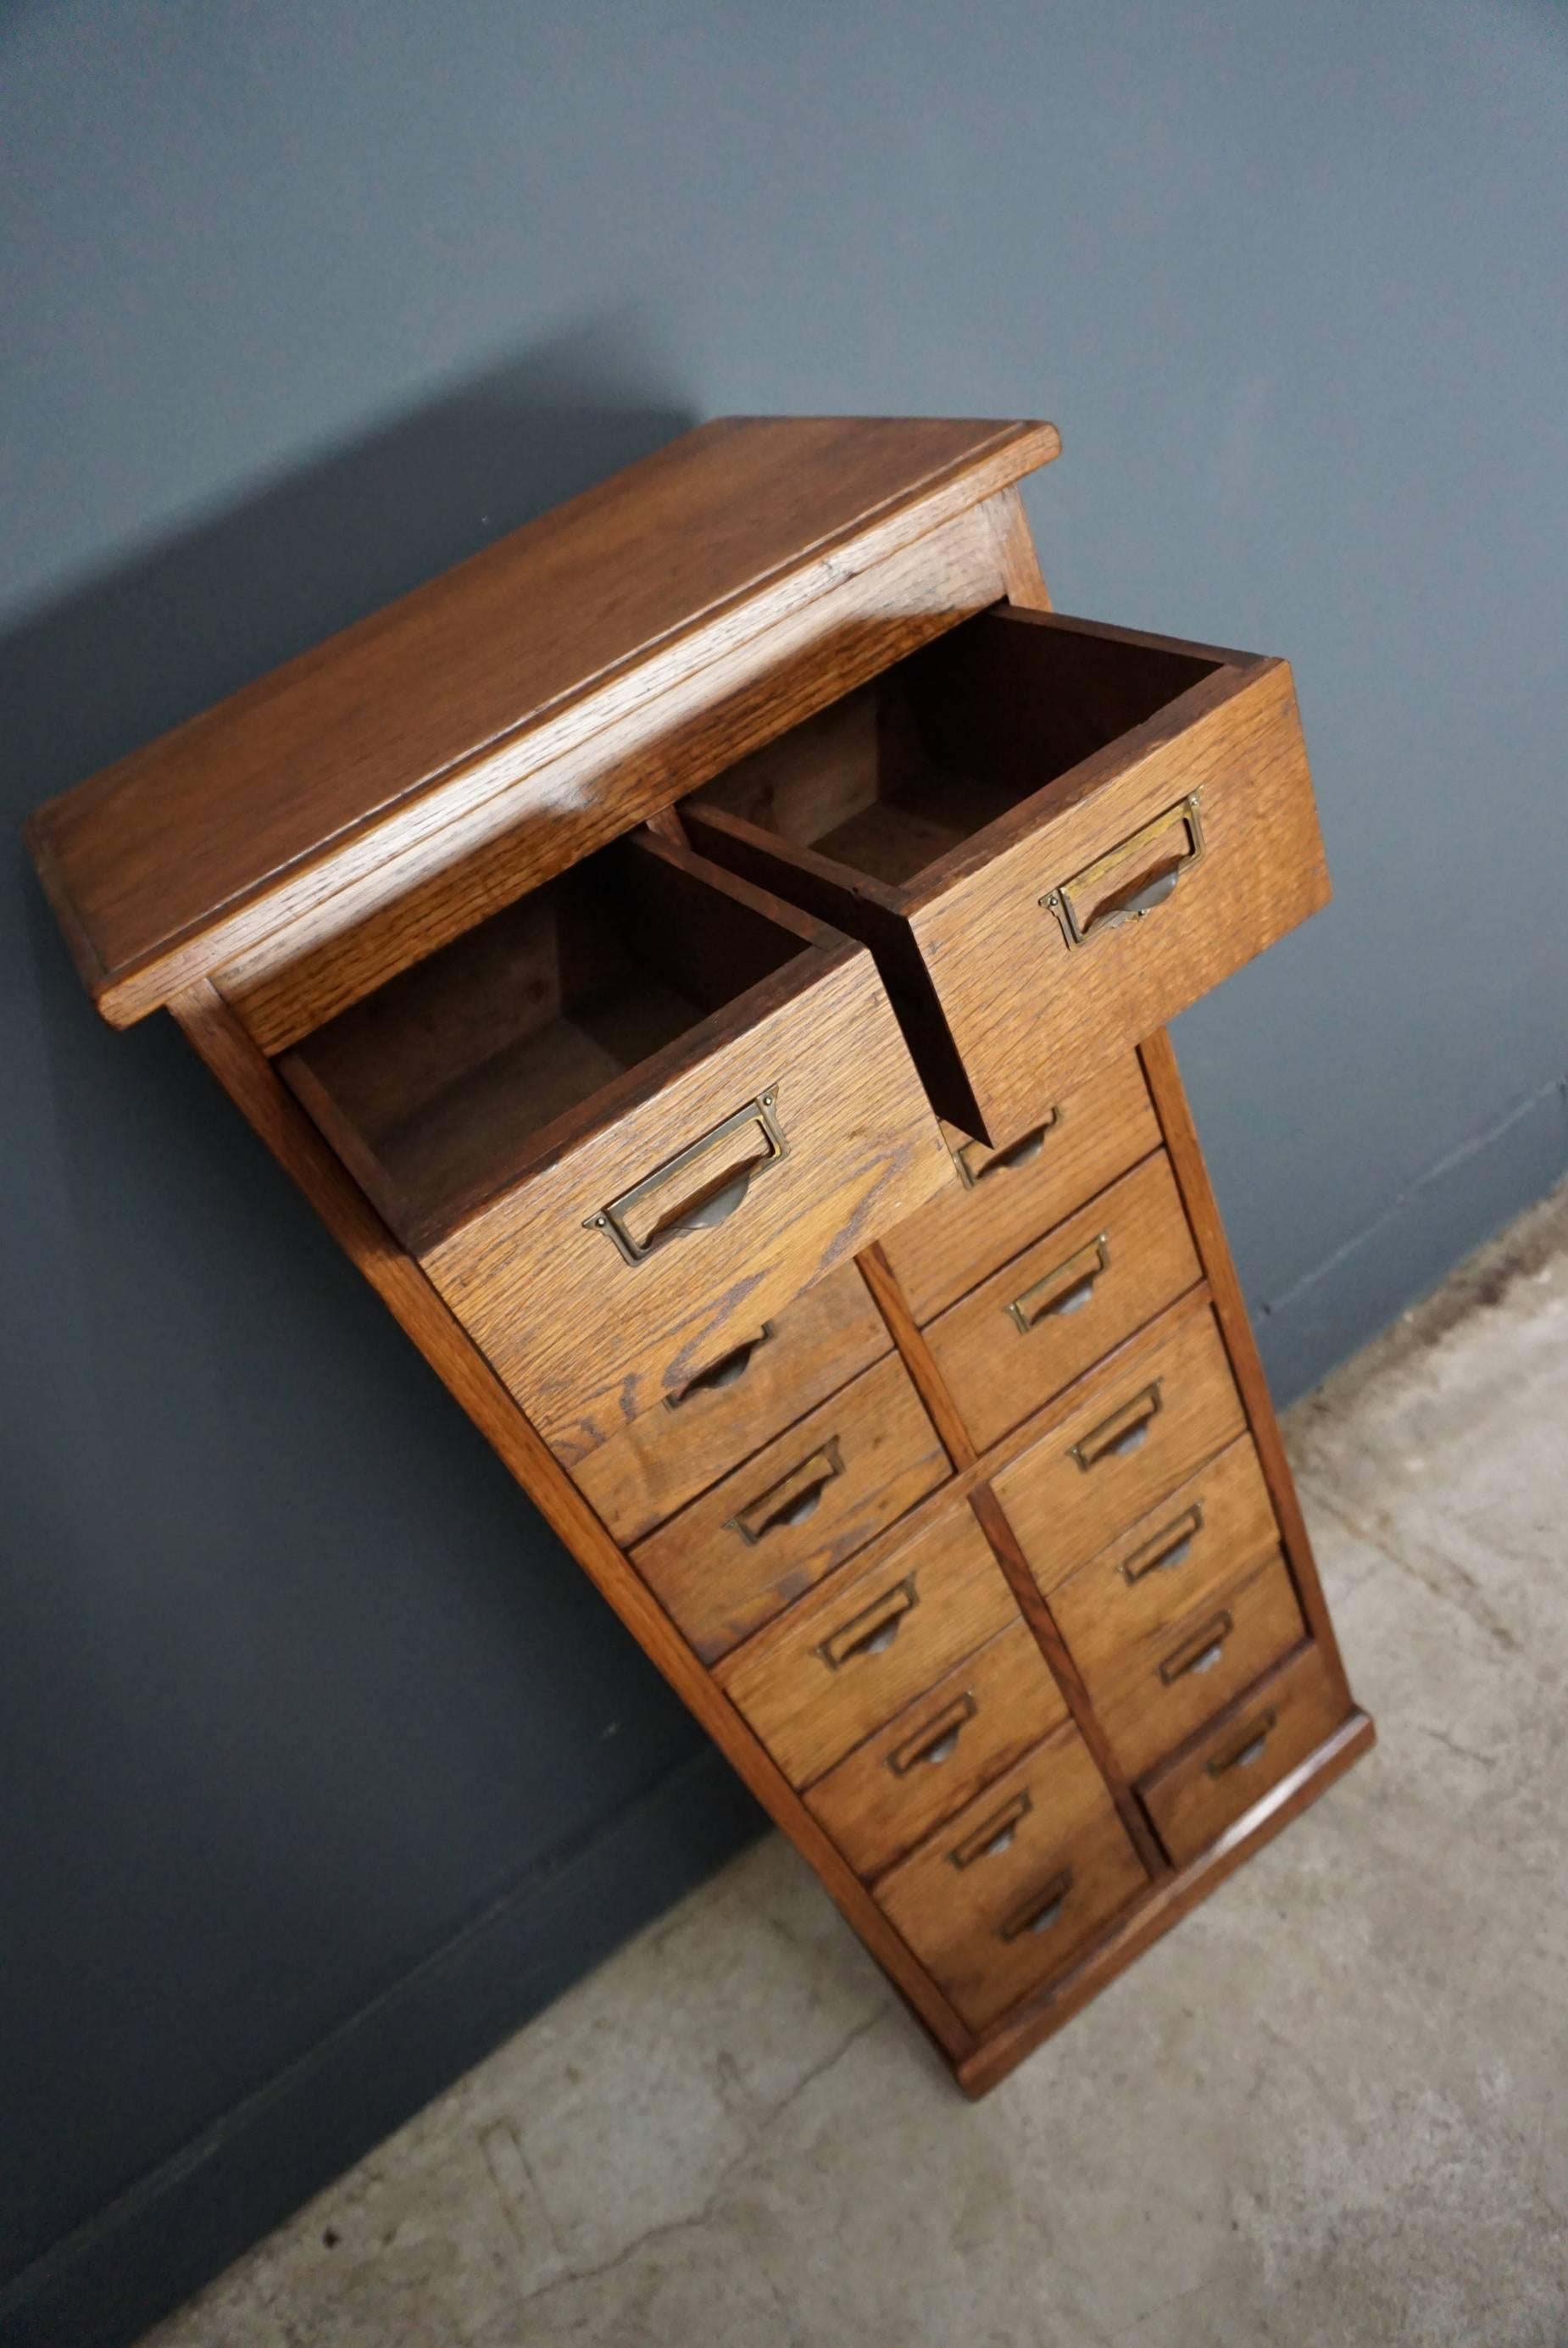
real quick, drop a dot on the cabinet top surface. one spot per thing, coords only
(675, 555)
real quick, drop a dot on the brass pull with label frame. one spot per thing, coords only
(1167, 1549)
(710, 1206)
(1041, 1910)
(1249, 1745)
(728, 1371)
(1064, 1290)
(1200, 1652)
(872, 1631)
(1022, 1152)
(990, 1841)
(937, 1741)
(1113, 912)
(1124, 1431)
(790, 1500)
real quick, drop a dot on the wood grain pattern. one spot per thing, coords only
(1066, 1151)
(254, 1087)
(778, 1371)
(507, 824)
(989, 770)
(1063, 1512)
(932, 1598)
(870, 1453)
(719, 536)
(1265, 1734)
(1036, 1612)
(1170, 1098)
(1010, 2041)
(585, 1340)
(933, 1756)
(916, 1354)
(1151, 1695)
(1164, 1564)
(1048, 1822)
(1026, 1333)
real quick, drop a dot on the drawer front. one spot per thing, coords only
(734, 1404)
(1161, 1690)
(770, 1530)
(816, 1115)
(1196, 1795)
(1000, 1200)
(1165, 1564)
(1135, 1431)
(1032, 1328)
(876, 1634)
(1131, 885)
(1004, 1896)
(931, 1759)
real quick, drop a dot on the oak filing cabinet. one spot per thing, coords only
(707, 958)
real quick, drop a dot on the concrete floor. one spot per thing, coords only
(1331, 2107)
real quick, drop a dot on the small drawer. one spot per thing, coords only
(848, 1657)
(1165, 1685)
(773, 1528)
(1032, 1328)
(1200, 1791)
(1167, 1562)
(1054, 834)
(733, 1404)
(623, 1123)
(1000, 1200)
(1134, 1431)
(1005, 1895)
(935, 1755)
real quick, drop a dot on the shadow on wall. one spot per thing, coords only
(111, 668)
(121, 661)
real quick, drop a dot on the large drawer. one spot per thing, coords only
(1130, 1433)
(1216, 1778)
(623, 1123)
(734, 1404)
(1000, 1200)
(1003, 1897)
(770, 1530)
(879, 1631)
(1054, 834)
(1026, 1333)
(934, 1755)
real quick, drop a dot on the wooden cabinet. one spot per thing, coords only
(706, 959)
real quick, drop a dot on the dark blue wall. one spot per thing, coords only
(320, 1765)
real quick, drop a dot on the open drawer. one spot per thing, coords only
(1054, 835)
(623, 1122)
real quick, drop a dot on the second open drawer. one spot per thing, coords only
(623, 1122)
(1054, 834)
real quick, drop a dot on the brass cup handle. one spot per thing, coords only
(996, 1835)
(728, 1371)
(872, 1631)
(1199, 1653)
(793, 1499)
(937, 1741)
(1249, 1747)
(1041, 1910)
(1165, 1549)
(1022, 1152)
(1125, 1431)
(1132, 879)
(1064, 1289)
(704, 1205)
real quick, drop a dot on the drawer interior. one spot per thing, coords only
(907, 768)
(449, 1082)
